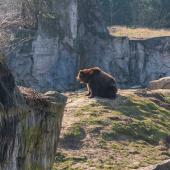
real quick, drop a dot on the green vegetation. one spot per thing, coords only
(74, 131)
(34, 166)
(33, 137)
(167, 99)
(127, 133)
(137, 13)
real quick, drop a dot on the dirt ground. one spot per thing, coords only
(89, 140)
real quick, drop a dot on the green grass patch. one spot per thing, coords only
(127, 133)
(74, 131)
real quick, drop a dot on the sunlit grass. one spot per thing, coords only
(127, 133)
(138, 33)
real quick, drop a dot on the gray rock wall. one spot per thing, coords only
(72, 34)
(30, 125)
(49, 60)
(132, 62)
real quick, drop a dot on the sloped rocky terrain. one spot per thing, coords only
(131, 132)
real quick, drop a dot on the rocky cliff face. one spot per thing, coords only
(30, 125)
(132, 62)
(71, 34)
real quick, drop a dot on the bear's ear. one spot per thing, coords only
(85, 71)
(96, 70)
(90, 72)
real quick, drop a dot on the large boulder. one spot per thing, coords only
(163, 83)
(30, 125)
(165, 165)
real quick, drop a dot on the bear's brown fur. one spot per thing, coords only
(98, 82)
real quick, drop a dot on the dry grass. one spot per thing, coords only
(125, 134)
(138, 33)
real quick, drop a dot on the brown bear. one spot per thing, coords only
(99, 83)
